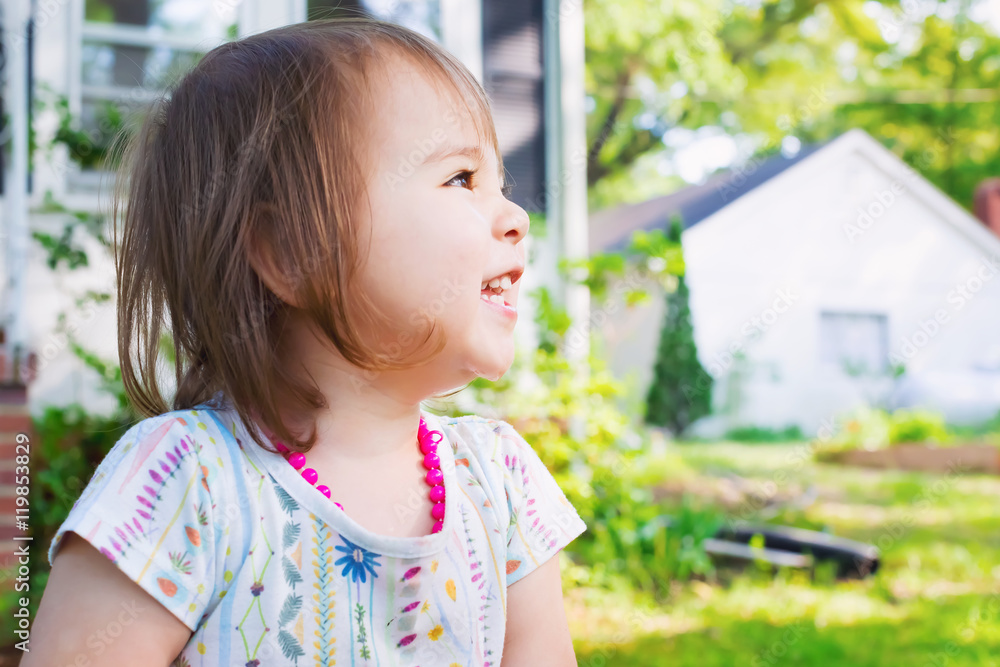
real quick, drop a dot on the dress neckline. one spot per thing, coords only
(322, 507)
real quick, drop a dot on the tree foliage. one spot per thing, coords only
(681, 390)
(919, 75)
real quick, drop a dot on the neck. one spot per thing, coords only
(358, 423)
(369, 415)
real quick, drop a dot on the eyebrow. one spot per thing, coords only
(476, 153)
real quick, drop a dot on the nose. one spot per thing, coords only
(512, 222)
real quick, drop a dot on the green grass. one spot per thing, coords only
(934, 602)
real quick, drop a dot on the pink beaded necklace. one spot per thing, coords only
(435, 478)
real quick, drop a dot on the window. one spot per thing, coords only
(423, 16)
(854, 342)
(457, 25)
(132, 50)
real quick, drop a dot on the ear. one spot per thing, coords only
(267, 269)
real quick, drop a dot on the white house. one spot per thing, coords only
(821, 271)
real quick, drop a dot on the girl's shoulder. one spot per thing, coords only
(156, 506)
(533, 511)
(182, 440)
(493, 442)
(475, 434)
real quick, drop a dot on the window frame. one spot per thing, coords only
(881, 318)
(79, 181)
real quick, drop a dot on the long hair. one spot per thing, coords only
(262, 142)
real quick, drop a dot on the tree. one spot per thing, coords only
(681, 391)
(722, 65)
(922, 78)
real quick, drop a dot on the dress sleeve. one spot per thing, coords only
(542, 520)
(149, 509)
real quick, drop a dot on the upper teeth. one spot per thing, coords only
(503, 283)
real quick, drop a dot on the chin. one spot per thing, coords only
(492, 369)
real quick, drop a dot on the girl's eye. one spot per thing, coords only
(465, 175)
(469, 177)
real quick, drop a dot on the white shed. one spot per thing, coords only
(822, 270)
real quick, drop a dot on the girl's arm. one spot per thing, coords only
(537, 632)
(92, 614)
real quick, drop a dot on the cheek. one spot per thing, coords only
(414, 275)
(427, 256)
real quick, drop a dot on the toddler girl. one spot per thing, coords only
(318, 216)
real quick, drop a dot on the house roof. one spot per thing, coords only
(611, 229)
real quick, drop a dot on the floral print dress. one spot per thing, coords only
(265, 570)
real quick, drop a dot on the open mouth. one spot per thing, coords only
(495, 289)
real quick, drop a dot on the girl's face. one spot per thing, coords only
(440, 228)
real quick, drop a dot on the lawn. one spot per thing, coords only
(935, 600)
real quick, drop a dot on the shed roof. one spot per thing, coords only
(611, 229)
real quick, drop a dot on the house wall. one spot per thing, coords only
(794, 247)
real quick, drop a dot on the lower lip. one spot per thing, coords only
(503, 309)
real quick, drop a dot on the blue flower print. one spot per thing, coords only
(356, 561)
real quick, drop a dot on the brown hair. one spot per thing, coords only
(262, 142)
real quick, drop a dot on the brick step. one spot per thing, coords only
(8, 533)
(8, 501)
(12, 407)
(8, 558)
(9, 438)
(15, 422)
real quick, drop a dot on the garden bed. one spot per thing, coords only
(971, 458)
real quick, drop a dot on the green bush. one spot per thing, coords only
(985, 432)
(790, 433)
(863, 428)
(917, 426)
(871, 429)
